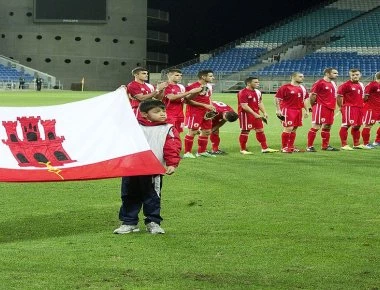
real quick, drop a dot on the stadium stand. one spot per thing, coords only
(338, 33)
(10, 74)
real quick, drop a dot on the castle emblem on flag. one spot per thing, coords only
(32, 150)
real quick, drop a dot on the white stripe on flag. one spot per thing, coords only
(90, 139)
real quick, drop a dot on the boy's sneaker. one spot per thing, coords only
(204, 154)
(286, 150)
(245, 152)
(311, 149)
(126, 229)
(268, 150)
(346, 148)
(330, 148)
(154, 228)
(376, 144)
(188, 155)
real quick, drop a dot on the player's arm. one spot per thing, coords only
(305, 107)
(193, 93)
(262, 109)
(197, 104)
(339, 101)
(159, 91)
(278, 108)
(188, 95)
(247, 109)
(312, 99)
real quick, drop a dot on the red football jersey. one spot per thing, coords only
(373, 92)
(204, 99)
(352, 93)
(250, 97)
(326, 93)
(135, 88)
(174, 108)
(292, 97)
(220, 109)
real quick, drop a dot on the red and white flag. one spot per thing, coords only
(90, 139)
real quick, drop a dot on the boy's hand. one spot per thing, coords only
(170, 170)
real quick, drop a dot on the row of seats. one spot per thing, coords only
(11, 74)
(315, 63)
(232, 60)
(357, 44)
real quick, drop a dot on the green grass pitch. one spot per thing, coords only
(263, 221)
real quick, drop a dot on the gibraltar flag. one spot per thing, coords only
(90, 139)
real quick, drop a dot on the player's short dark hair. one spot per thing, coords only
(294, 74)
(174, 70)
(354, 70)
(204, 72)
(250, 79)
(138, 69)
(147, 105)
(231, 116)
(328, 70)
(377, 76)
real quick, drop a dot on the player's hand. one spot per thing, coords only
(210, 108)
(280, 115)
(170, 170)
(162, 86)
(264, 120)
(204, 90)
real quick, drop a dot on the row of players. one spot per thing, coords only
(358, 104)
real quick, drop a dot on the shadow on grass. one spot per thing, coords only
(58, 224)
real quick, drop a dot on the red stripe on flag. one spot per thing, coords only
(142, 163)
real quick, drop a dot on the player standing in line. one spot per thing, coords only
(323, 101)
(249, 107)
(350, 101)
(290, 100)
(195, 115)
(139, 89)
(371, 111)
(174, 95)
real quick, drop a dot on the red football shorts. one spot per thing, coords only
(196, 121)
(371, 116)
(177, 122)
(293, 117)
(351, 116)
(322, 115)
(249, 122)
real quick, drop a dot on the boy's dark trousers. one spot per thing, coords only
(140, 191)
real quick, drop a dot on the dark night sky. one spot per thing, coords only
(200, 26)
